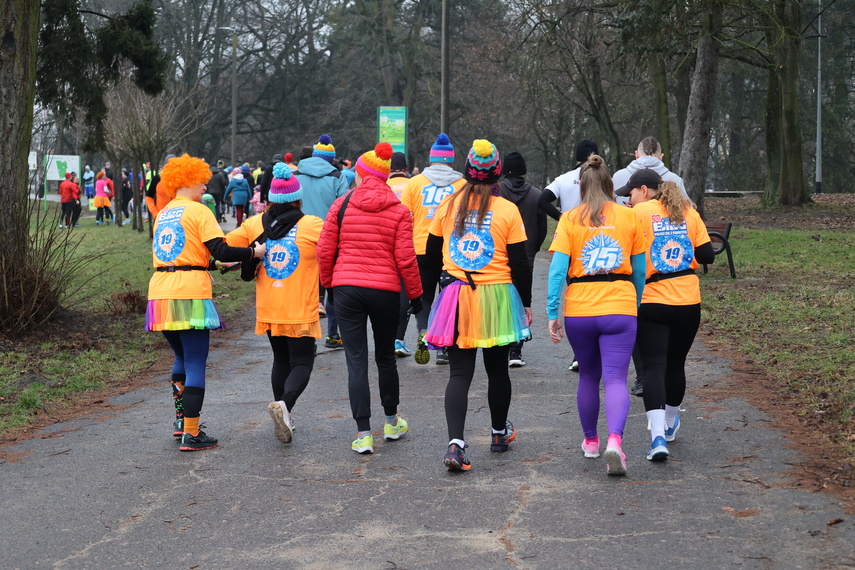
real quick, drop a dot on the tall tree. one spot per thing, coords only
(696, 139)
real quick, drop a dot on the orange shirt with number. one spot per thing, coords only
(596, 250)
(671, 248)
(180, 232)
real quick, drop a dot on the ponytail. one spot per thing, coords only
(674, 202)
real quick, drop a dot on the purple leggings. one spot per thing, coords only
(603, 347)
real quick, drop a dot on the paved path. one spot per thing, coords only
(111, 489)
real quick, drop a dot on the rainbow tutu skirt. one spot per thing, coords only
(181, 315)
(490, 315)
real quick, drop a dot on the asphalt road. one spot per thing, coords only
(110, 489)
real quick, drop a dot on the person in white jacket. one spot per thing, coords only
(648, 155)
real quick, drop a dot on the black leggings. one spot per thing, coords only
(293, 360)
(354, 306)
(104, 213)
(665, 335)
(462, 368)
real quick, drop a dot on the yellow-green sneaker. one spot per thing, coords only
(364, 444)
(422, 354)
(393, 432)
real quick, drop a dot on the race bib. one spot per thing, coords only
(432, 195)
(475, 248)
(601, 254)
(169, 239)
(671, 250)
(283, 256)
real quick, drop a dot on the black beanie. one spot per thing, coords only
(514, 164)
(584, 149)
(399, 162)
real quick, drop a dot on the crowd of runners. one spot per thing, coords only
(370, 241)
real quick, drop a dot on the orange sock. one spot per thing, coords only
(191, 426)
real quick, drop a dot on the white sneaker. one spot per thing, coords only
(574, 367)
(283, 427)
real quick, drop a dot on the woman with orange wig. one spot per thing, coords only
(103, 193)
(186, 236)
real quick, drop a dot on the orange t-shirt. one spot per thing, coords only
(670, 249)
(422, 197)
(595, 250)
(481, 250)
(398, 184)
(286, 285)
(180, 232)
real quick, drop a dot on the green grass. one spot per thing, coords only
(94, 342)
(790, 312)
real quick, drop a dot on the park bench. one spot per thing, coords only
(719, 235)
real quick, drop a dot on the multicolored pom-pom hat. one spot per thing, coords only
(483, 165)
(376, 162)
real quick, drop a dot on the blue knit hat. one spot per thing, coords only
(324, 149)
(285, 187)
(442, 151)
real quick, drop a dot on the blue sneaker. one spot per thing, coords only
(401, 349)
(658, 450)
(671, 433)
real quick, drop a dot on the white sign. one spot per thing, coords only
(59, 164)
(33, 160)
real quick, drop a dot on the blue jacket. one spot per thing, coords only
(322, 183)
(238, 189)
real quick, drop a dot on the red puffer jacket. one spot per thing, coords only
(375, 246)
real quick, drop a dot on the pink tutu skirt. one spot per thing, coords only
(490, 315)
(181, 315)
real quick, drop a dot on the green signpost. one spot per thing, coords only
(392, 127)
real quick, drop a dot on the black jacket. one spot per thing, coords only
(218, 182)
(525, 197)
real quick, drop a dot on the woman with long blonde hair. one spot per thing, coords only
(599, 250)
(670, 310)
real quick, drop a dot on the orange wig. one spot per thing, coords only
(182, 172)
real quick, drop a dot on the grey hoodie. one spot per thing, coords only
(441, 175)
(621, 177)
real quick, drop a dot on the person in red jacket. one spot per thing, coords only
(363, 261)
(69, 197)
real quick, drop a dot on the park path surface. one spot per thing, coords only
(110, 489)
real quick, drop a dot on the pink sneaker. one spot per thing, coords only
(591, 446)
(615, 459)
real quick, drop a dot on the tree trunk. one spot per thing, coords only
(18, 45)
(696, 139)
(662, 117)
(792, 180)
(771, 196)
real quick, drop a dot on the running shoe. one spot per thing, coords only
(322, 311)
(615, 459)
(591, 447)
(574, 366)
(178, 428)
(499, 442)
(455, 459)
(401, 349)
(126, 221)
(515, 359)
(422, 355)
(197, 442)
(637, 388)
(283, 428)
(333, 341)
(658, 449)
(442, 356)
(671, 432)
(364, 444)
(394, 432)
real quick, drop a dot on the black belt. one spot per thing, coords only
(660, 276)
(600, 277)
(173, 268)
